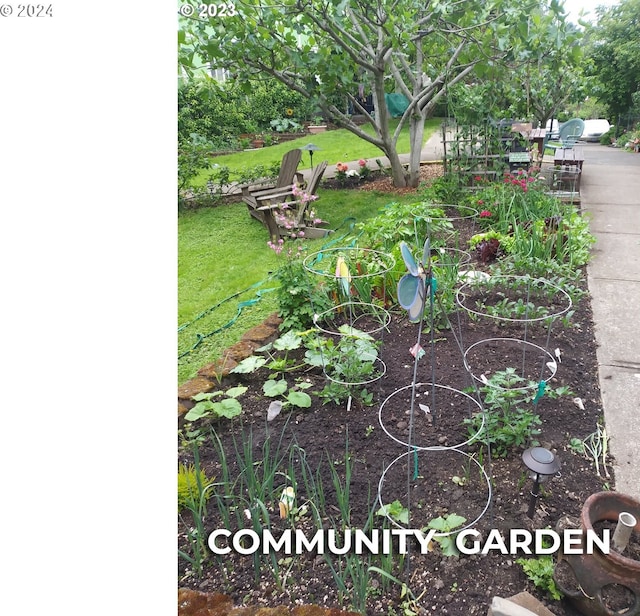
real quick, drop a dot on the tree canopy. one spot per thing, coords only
(333, 51)
(615, 55)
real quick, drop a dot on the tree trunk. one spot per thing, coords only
(397, 168)
(416, 136)
(389, 145)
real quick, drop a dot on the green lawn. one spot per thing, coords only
(222, 251)
(335, 146)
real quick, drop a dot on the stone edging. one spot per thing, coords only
(209, 376)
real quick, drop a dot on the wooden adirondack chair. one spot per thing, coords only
(288, 171)
(273, 206)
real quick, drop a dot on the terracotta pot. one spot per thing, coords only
(317, 129)
(593, 573)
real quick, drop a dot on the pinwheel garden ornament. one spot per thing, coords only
(412, 287)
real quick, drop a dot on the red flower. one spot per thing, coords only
(480, 202)
(485, 214)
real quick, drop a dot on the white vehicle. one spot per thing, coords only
(594, 129)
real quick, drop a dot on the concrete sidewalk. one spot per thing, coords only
(610, 193)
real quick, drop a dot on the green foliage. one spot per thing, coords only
(298, 298)
(318, 59)
(273, 389)
(228, 406)
(193, 157)
(350, 364)
(506, 425)
(445, 189)
(447, 524)
(191, 486)
(395, 510)
(614, 55)
(518, 198)
(218, 112)
(540, 572)
(222, 111)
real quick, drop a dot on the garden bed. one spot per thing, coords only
(328, 438)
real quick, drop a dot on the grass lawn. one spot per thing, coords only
(335, 146)
(223, 251)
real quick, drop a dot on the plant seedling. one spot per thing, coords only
(396, 511)
(447, 524)
(228, 407)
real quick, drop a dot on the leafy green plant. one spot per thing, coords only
(576, 446)
(276, 363)
(283, 125)
(298, 298)
(195, 502)
(193, 156)
(293, 396)
(396, 511)
(540, 572)
(349, 363)
(447, 524)
(506, 425)
(228, 406)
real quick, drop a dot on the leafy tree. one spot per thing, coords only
(329, 51)
(615, 54)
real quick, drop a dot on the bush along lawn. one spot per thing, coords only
(417, 360)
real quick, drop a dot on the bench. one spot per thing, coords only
(569, 157)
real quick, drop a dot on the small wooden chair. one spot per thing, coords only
(288, 171)
(272, 206)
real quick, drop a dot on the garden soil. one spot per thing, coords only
(488, 492)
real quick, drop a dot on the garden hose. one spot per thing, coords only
(349, 222)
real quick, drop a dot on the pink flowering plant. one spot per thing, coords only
(365, 172)
(341, 172)
(522, 219)
(294, 216)
(519, 196)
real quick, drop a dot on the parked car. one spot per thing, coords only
(594, 129)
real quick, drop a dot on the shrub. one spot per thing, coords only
(188, 491)
(218, 112)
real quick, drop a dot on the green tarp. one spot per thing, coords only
(396, 104)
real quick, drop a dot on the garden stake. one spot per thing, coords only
(412, 293)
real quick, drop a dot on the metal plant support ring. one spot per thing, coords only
(316, 262)
(357, 311)
(465, 212)
(535, 377)
(418, 524)
(494, 284)
(427, 386)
